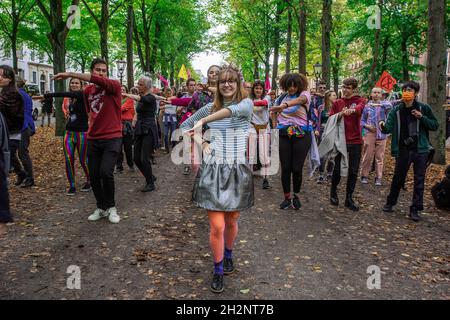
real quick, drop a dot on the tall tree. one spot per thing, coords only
(301, 16)
(436, 71)
(59, 30)
(12, 14)
(102, 21)
(289, 40)
(130, 58)
(276, 45)
(326, 42)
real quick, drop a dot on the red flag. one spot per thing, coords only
(164, 81)
(189, 73)
(267, 85)
(386, 82)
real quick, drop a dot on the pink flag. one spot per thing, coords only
(164, 81)
(189, 73)
(268, 87)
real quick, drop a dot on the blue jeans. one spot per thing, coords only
(169, 126)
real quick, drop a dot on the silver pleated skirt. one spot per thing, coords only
(226, 187)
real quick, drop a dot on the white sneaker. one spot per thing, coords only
(364, 180)
(97, 215)
(113, 216)
(378, 182)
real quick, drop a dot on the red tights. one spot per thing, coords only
(224, 229)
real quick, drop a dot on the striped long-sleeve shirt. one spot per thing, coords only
(228, 136)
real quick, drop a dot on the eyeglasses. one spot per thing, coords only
(230, 82)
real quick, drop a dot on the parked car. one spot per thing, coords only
(33, 90)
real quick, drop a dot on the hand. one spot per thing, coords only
(349, 112)
(381, 124)
(416, 113)
(206, 148)
(133, 123)
(61, 76)
(317, 133)
(37, 97)
(370, 128)
(199, 124)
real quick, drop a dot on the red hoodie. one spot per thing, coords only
(104, 101)
(352, 122)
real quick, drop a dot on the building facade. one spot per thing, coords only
(35, 68)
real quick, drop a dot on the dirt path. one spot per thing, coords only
(160, 248)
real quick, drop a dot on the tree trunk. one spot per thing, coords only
(302, 38)
(276, 46)
(336, 68)
(376, 50)
(154, 54)
(404, 46)
(289, 41)
(255, 68)
(57, 38)
(172, 72)
(130, 60)
(436, 72)
(326, 42)
(14, 53)
(104, 31)
(384, 54)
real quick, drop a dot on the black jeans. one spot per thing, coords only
(24, 154)
(5, 213)
(143, 149)
(293, 152)
(402, 165)
(14, 146)
(127, 142)
(354, 159)
(102, 155)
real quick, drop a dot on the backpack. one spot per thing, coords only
(4, 146)
(441, 192)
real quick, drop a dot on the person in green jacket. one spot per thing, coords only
(409, 123)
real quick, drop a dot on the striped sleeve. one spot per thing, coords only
(200, 114)
(244, 109)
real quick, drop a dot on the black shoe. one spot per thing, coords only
(321, 179)
(286, 204)
(72, 191)
(349, 203)
(217, 283)
(119, 170)
(334, 199)
(20, 180)
(153, 161)
(296, 203)
(228, 267)
(87, 187)
(154, 178)
(27, 183)
(187, 170)
(388, 208)
(414, 215)
(266, 184)
(148, 188)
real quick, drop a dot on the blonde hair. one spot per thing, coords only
(229, 73)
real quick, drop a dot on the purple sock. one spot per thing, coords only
(218, 268)
(228, 253)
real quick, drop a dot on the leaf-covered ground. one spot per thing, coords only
(160, 248)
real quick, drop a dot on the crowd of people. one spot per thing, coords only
(232, 123)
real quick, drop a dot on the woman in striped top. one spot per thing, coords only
(224, 183)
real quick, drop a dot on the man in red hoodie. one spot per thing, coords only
(350, 107)
(103, 100)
